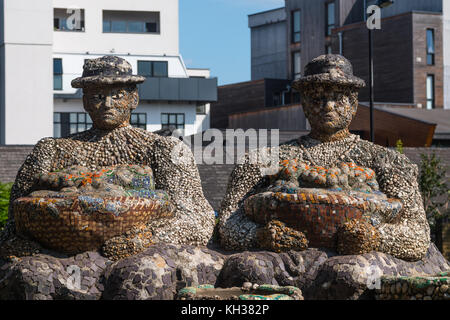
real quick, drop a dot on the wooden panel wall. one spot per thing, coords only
(235, 98)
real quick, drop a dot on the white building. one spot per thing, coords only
(45, 39)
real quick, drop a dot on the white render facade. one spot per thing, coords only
(52, 54)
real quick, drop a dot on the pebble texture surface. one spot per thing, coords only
(407, 237)
(162, 270)
(193, 220)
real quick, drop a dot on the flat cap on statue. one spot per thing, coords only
(107, 70)
(329, 69)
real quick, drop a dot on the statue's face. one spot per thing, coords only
(329, 108)
(110, 107)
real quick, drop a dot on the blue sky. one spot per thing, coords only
(214, 34)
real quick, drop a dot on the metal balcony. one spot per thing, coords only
(168, 89)
(179, 89)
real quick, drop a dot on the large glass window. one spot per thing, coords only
(139, 120)
(330, 18)
(130, 21)
(430, 47)
(430, 92)
(297, 64)
(68, 19)
(57, 74)
(172, 121)
(153, 68)
(296, 26)
(66, 123)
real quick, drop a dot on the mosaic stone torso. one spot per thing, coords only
(404, 235)
(318, 201)
(193, 220)
(84, 209)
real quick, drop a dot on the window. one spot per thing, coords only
(57, 74)
(68, 19)
(153, 68)
(172, 121)
(66, 123)
(328, 49)
(430, 47)
(139, 120)
(130, 21)
(200, 109)
(296, 25)
(296, 64)
(430, 91)
(330, 18)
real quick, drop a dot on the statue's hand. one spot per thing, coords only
(276, 236)
(357, 237)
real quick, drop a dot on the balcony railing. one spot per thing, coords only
(179, 89)
(169, 89)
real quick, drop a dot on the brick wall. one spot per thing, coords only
(11, 158)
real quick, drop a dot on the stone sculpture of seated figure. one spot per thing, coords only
(329, 95)
(109, 96)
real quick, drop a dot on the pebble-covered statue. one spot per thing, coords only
(333, 189)
(113, 186)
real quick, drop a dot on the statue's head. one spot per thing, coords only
(109, 91)
(329, 93)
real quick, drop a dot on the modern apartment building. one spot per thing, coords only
(43, 46)
(411, 51)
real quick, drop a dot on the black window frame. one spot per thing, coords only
(294, 31)
(328, 26)
(152, 64)
(66, 124)
(169, 123)
(149, 27)
(294, 73)
(58, 74)
(431, 54)
(139, 124)
(433, 98)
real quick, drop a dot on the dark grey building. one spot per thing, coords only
(411, 58)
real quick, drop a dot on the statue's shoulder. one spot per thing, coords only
(383, 156)
(45, 145)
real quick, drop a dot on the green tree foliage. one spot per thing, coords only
(399, 146)
(5, 191)
(434, 189)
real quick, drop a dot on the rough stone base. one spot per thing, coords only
(323, 274)
(415, 288)
(162, 270)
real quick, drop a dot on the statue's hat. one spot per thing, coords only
(107, 70)
(329, 69)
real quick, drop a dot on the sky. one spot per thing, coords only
(214, 34)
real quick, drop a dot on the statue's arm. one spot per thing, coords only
(408, 236)
(176, 172)
(237, 232)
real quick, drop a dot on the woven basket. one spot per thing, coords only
(77, 224)
(318, 213)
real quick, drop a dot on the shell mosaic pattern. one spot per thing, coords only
(405, 236)
(262, 292)
(329, 69)
(344, 176)
(193, 218)
(75, 225)
(414, 288)
(121, 180)
(277, 237)
(89, 207)
(109, 70)
(338, 194)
